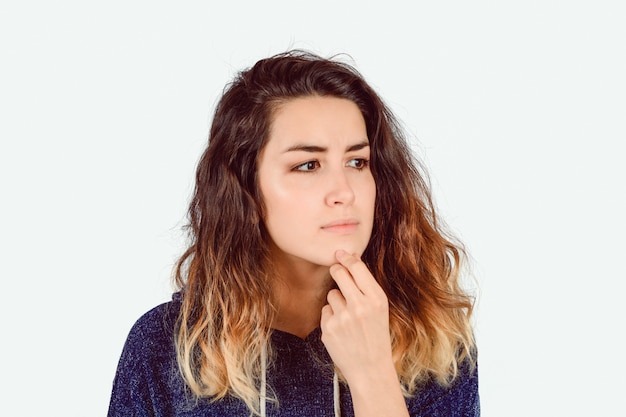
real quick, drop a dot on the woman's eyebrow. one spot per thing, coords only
(321, 149)
(306, 148)
(358, 146)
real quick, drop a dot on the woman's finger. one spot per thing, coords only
(336, 300)
(358, 271)
(345, 282)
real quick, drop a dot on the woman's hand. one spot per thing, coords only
(355, 331)
(355, 322)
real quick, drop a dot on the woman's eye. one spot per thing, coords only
(358, 163)
(307, 166)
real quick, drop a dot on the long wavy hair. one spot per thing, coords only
(225, 274)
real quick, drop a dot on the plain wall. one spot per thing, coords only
(517, 109)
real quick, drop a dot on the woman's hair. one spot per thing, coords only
(225, 274)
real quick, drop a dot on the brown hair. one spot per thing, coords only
(224, 275)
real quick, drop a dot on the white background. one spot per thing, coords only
(517, 108)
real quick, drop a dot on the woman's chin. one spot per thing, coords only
(331, 258)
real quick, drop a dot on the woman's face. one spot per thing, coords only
(315, 180)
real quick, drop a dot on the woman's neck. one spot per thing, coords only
(300, 293)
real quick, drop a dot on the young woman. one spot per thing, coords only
(318, 280)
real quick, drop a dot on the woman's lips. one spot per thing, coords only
(341, 226)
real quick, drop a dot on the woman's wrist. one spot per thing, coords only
(377, 393)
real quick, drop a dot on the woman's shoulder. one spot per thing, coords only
(156, 325)
(458, 399)
(146, 372)
(163, 314)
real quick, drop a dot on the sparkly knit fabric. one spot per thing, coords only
(148, 383)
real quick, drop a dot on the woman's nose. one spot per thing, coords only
(340, 191)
